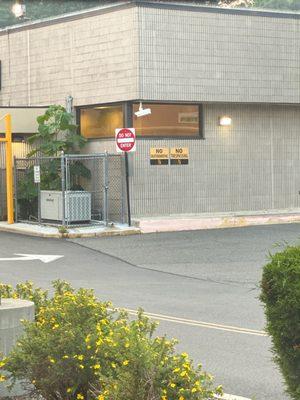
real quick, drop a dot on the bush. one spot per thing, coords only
(280, 287)
(81, 348)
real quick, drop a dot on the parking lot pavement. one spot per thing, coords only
(201, 285)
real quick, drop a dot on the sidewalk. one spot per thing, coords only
(173, 223)
(215, 221)
(55, 232)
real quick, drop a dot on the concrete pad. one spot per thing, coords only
(55, 232)
(214, 221)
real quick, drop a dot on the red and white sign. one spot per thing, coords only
(125, 139)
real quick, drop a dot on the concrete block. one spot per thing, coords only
(11, 312)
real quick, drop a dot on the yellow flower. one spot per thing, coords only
(80, 396)
(172, 385)
(164, 398)
(176, 370)
(55, 326)
(2, 378)
(113, 365)
(81, 366)
(69, 390)
(181, 398)
(80, 357)
(183, 373)
(194, 390)
(186, 366)
(101, 397)
(65, 357)
(127, 345)
(184, 355)
(52, 360)
(126, 362)
(96, 366)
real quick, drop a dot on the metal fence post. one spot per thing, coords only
(16, 189)
(38, 162)
(106, 184)
(63, 187)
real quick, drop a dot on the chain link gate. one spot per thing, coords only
(72, 190)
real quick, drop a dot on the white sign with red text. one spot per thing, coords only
(125, 140)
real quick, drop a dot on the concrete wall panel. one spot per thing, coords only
(92, 59)
(250, 166)
(198, 55)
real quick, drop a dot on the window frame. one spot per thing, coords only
(127, 107)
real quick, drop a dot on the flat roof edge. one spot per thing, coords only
(147, 4)
(76, 15)
(219, 10)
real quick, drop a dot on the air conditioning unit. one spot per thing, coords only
(77, 206)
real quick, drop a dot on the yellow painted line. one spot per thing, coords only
(202, 324)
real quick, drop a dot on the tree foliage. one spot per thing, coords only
(293, 5)
(56, 133)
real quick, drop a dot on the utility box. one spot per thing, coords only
(77, 206)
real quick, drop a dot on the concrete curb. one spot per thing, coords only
(53, 232)
(231, 397)
(182, 223)
(155, 225)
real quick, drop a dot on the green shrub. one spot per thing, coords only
(280, 294)
(80, 348)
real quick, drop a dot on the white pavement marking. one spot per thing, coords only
(230, 397)
(30, 257)
(201, 324)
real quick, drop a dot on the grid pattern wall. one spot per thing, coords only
(93, 59)
(206, 56)
(253, 165)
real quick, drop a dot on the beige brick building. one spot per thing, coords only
(191, 65)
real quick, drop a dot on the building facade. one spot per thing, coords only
(192, 66)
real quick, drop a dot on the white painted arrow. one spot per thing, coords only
(29, 257)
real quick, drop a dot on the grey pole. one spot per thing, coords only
(39, 191)
(106, 184)
(63, 188)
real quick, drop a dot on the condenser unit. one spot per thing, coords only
(77, 206)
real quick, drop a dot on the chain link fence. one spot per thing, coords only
(72, 190)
